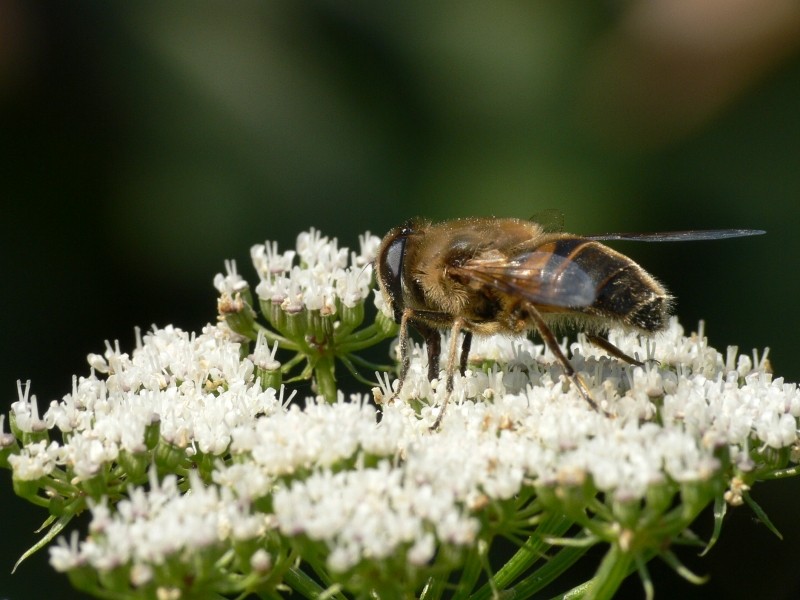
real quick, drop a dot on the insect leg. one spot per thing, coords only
(405, 355)
(452, 354)
(433, 342)
(603, 343)
(466, 344)
(551, 342)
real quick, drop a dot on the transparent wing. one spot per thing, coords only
(677, 236)
(543, 278)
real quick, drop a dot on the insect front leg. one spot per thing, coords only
(551, 342)
(405, 355)
(452, 356)
(433, 343)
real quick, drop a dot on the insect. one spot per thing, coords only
(494, 275)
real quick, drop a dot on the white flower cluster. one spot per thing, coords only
(152, 527)
(173, 378)
(368, 488)
(322, 277)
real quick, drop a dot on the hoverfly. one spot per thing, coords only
(497, 275)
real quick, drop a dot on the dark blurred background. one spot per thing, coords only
(144, 143)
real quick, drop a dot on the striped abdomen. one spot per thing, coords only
(622, 289)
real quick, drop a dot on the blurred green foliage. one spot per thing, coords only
(147, 142)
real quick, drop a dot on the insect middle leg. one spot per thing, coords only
(433, 343)
(466, 344)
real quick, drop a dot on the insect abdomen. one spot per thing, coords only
(624, 291)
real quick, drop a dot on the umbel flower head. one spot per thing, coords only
(313, 301)
(204, 477)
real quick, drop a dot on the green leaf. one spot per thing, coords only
(760, 514)
(720, 508)
(55, 529)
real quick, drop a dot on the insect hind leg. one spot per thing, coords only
(604, 344)
(552, 344)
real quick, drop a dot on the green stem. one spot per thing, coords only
(470, 572)
(554, 525)
(548, 572)
(782, 473)
(352, 345)
(326, 378)
(271, 336)
(304, 374)
(287, 366)
(350, 367)
(362, 334)
(370, 365)
(614, 568)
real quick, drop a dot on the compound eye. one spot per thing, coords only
(392, 273)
